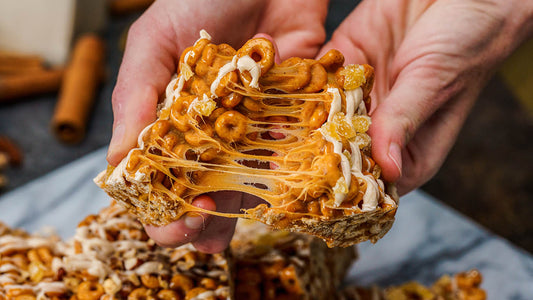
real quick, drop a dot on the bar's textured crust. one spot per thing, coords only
(293, 134)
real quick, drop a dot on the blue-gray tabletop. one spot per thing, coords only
(427, 240)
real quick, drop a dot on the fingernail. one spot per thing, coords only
(194, 221)
(395, 154)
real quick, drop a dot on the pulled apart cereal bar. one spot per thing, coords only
(293, 134)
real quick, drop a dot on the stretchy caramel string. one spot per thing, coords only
(233, 120)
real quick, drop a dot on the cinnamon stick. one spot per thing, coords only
(84, 73)
(3, 181)
(13, 152)
(31, 83)
(4, 160)
(14, 63)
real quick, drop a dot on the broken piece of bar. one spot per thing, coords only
(461, 286)
(110, 257)
(293, 134)
(284, 265)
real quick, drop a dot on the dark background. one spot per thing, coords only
(487, 176)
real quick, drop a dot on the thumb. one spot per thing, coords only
(148, 64)
(412, 101)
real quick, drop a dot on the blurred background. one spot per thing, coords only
(59, 61)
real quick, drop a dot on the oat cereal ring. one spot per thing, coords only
(206, 61)
(199, 136)
(251, 104)
(319, 77)
(150, 281)
(226, 50)
(141, 293)
(195, 292)
(289, 280)
(191, 54)
(209, 154)
(199, 86)
(231, 126)
(168, 294)
(332, 60)
(222, 89)
(318, 117)
(261, 51)
(179, 115)
(231, 100)
(181, 283)
(289, 76)
(208, 283)
(90, 290)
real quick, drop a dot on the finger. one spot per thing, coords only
(219, 231)
(421, 162)
(185, 230)
(417, 93)
(302, 34)
(350, 41)
(147, 66)
(353, 53)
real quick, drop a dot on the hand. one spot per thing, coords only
(431, 60)
(155, 42)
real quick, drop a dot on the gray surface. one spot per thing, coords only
(427, 240)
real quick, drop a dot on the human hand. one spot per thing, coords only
(431, 60)
(155, 42)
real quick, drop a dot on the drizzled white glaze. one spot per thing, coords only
(246, 63)
(352, 165)
(223, 71)
(243, 64)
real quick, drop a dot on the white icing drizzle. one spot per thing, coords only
(353, 164)
(204, 35)
(246, 63)
(14, 243)
(149, 268)
(225, 69)
(353, 99)
(336, 103)
(243, 64)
